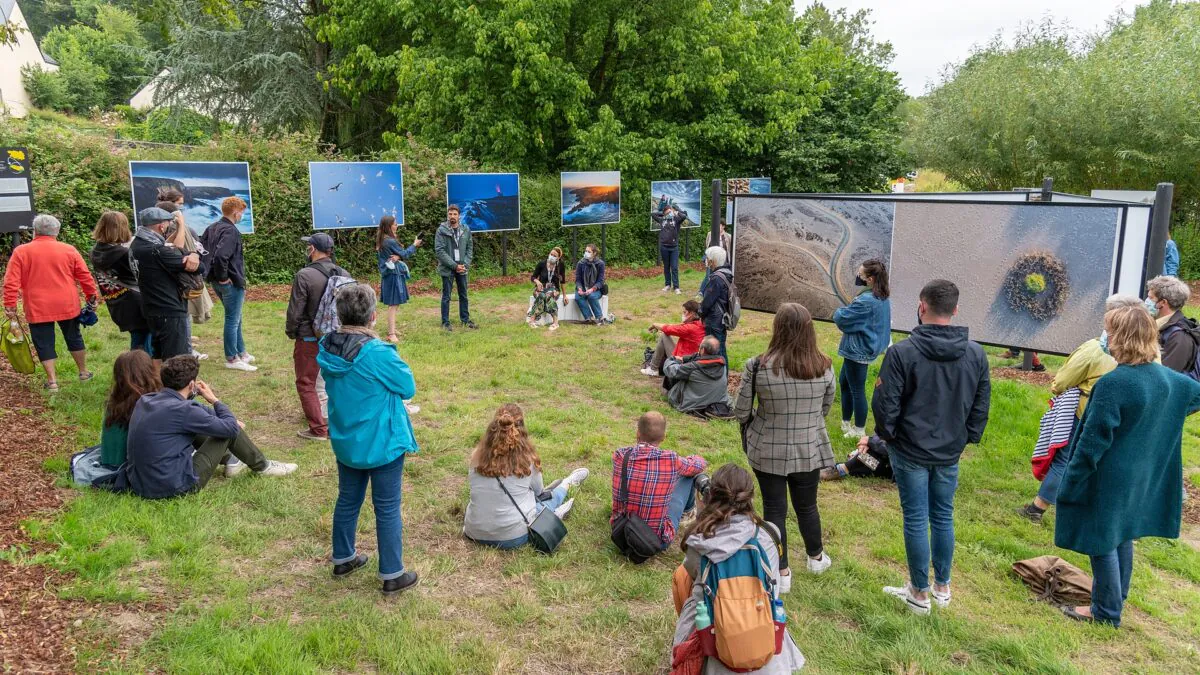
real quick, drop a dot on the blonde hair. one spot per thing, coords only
(505, 449)
(1132, 335)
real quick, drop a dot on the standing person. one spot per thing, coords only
(931, 401)
(866, 325)
(689, 331)
(786, 440)
(725, 242)
(393, 273)
(115, 276)
(1124, 480)
(307, 290)
(452, 245)
(589, 285)
(368, 384)
(1178, 335)
(715, 301)
(200, 304)
(549, 279)
(670, 221)
(1171, 258)
(158, 269)
(227, 272)
(47, 275)
(191, 284)
(134, 376)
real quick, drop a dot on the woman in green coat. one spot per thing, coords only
(134, 375)
(1125, 476)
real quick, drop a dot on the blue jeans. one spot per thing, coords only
(589, 305)
(670, 258)
(1110, 583)
(232, 297)
(141, 339)
(1049, 488)
(683, 499)
(852, 383)
(389, 528)
(464, 310)
(557, 496)
(927, 502)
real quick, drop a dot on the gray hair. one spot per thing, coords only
(716, 254)
(46, 224)
(355, 304)
(1119, 300)
(710, 345)
(1171, 290)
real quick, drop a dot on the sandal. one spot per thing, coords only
(50, 386)
(84, 377)
(392, 338)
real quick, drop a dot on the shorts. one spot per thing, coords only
(42, 335)
(169, 336)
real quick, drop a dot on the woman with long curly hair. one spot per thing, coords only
(506, 475)
(134, 375)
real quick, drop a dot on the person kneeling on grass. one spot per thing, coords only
(689, 331)
(699, 384)
(368, 384)
(506, 484)
(175, 445)
(868, 460)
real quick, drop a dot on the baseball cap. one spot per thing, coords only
(320, 241)
(154, 215)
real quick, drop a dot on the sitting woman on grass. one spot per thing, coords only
(548, 279)
(133, 376)
(506, 484)
(689, 332)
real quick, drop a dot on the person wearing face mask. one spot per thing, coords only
(689, 332)
(714, 302)
(548, 279)
(1178, 336)
(866, 325)
(158, 269)
(670, 221)
(307, 289)
(176, 445)
(454, 251)
(1088, 363)
(589, 285)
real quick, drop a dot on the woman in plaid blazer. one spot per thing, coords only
(786, 439)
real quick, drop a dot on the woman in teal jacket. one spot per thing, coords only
(367, 384)
(866, 325)
(1125, 476)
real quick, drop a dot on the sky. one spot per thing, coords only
(355, 194)
(574, 179)
(469, 186)
(232, 175)
(929, 34)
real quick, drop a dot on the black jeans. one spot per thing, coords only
(803, 487)
(464, 312)
(210, 451)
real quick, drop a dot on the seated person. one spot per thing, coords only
(869, 460)
(133, 377)
(662, 486)
(689, 330)
(549, 278)
(175, 445)
(506, 474)
(699, 384)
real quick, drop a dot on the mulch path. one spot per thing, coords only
(1191, 507)
(1042, 379)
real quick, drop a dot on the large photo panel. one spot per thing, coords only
(684, 195)
(355, 194)
(204, 186)
(487, 202)
(590, 198)
(806, 250)
(1029, 275)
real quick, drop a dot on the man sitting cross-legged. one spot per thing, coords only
(175, 445)
(699, 384)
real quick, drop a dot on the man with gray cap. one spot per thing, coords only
(45, 273)
(158, 268)
(307, 290)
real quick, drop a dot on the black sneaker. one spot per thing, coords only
(701, 485)
(647, 356)
(346, 568)
(1033, 513)
(448, 328)
(470, 324)
(401, 583)
(1039, 367)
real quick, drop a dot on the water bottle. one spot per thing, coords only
(780, 613)
(703, 620)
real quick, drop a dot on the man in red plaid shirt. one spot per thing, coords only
(661, 483)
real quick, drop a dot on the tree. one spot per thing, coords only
(101, 66)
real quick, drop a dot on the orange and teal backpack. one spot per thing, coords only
(747, 624)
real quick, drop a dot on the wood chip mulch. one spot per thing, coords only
(1191, 507)
(1042, 379)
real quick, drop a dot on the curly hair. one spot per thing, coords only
(730, 493)
(505, 449)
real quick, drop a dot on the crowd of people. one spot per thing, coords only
(1112, 471)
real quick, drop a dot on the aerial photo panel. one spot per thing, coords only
(487, 202)
(355, 194)
(204, 186)
(590, 198)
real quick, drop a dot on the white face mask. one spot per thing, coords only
(551, 260)
(587, 255)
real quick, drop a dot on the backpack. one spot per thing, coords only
(1190, 327)
(326, 320)
(745, 633)
(632, 536)
(733, 308)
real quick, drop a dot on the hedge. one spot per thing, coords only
(79, 173)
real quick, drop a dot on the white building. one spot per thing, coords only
(13, 98)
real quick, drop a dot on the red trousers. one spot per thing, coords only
(304, 357)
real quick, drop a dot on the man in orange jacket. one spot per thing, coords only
(45, 273)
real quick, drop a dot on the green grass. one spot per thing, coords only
(236, 577)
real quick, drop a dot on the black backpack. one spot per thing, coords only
(1190, 327)
(633, 537)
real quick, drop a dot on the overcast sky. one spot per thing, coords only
(928, 34)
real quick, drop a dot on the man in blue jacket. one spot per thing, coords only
(714, 303)
(175, 445)
(931, 401)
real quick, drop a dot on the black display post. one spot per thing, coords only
(715, 224)
(604, 242)
(1160, 227)
(504, 253)
(574, 244)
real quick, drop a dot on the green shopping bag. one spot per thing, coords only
(16, 347)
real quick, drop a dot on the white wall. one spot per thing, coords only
(12, 58)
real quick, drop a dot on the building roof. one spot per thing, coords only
(6, 8)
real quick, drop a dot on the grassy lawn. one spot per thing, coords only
(236, 578)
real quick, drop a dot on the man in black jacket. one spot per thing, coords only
(931, 400)
(227, 272)
(158, 268)
(307, 290)
(714, 303)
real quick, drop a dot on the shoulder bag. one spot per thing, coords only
(546, 531)
(632, 536)
(753, 392)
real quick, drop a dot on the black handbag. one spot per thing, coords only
(753, 391)
(546, 531)
(632, 536)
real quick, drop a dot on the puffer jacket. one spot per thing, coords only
(698, 382)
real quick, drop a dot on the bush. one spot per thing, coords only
(1187, 238)
(45, 89)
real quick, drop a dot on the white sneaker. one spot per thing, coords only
(576, 477)
(649, 372)
(238, 364)
(785, 584)
(666, 289)
(678, 292)
(199, 356)
(235, 467)
(564, 508)
(920, 607)
(277, 468)
(820, 564)
(846, 427)
(856, 432)
(412, 409)
(248, 357)
(942, 599)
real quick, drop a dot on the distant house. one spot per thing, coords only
(143, 99)
(13, 98)
(155, 94)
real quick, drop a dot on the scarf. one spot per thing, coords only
(359, 330)
(590, 272)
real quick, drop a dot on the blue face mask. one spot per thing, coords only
(1104, 341)
(1151, 307)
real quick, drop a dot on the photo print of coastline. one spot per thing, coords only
(1029, 275)
(806, 250)
(684, 195)
(204, 186)
(591, 198)
(744, 186)
(355, 194)
(487, 202)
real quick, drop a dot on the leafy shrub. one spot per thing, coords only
(46, 89)
(1187, 239)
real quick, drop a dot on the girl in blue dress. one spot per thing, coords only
(393, 272)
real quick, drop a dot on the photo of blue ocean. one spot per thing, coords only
(355, 194)
(760, 186)
(487, 202)
(591, 198)
(204, 186)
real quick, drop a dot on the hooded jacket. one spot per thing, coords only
(1178, 345)
(367, 383)
(223, 241)
(698, 382)
(307, 289)
(933, 395)
(444, 245)
(726, 541)
(118, 282)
